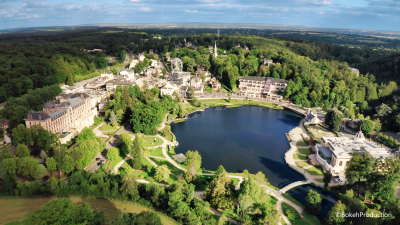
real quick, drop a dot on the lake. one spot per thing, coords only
(245, 137)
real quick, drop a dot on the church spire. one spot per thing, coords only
(215, 50)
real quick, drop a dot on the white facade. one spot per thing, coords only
(169, 89)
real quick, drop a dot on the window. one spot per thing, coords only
(347, 163)
(340, 163)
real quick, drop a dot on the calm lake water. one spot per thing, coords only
(246, 137)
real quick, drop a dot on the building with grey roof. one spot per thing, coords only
(69, 111)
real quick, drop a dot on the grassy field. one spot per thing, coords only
(320, 180)
(315, 171)
(313, 219)
(156, 152)
(301, 144)
(171, 167)
(304, 151)
(113, 163)
(150, 142)
(301, 157)
(300, 221)
(290, 198)
(168, 134)
(107, 127)
(302, 163)
(18, 210)
(178, 121)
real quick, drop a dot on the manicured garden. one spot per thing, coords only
(171, 167)
(107, 129)
(301, 157)
(301, 144)
(304, 151)
(302, 163)
(315, 171)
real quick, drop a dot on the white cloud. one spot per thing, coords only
(145, 9)
(191, 11)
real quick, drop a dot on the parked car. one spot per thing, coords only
(336, 179)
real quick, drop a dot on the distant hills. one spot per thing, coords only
(214, 26)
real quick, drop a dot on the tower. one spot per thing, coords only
(215, 50)
(218, 32)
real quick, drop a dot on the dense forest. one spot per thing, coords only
(383, 64)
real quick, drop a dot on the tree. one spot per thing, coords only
(137, 152)
(100, 62)
(112, 153)
(39, 172)
(377, 125)
(162, 173)
(130, 188)
(22, 151)
(63, 211)
(143, 218)
(193, 164)
(220, 192)
(68, 164)
(155, 91)
(366, 126)
(164, 71)
(85, 135)
(313, 202)
(52, 186)
(327, 178)
(20, 135)
(122, 55)
(51, 165)
(1, 132)
(27, 166)
(383, 110)
(334, 216)
(275, 75)
(358, 168)
(333, 118)
(113, 119)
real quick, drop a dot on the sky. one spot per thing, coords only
(354, 14)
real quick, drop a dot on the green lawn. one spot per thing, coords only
(290, 198)
(107, 127)
(304, 151)
(113, 163)
(301, 144)
(145, 162)
(315, 171)
(150, 142)
(178, 121)
(301, 157)
(300, 221)
(302, 163)
(235, 181)
(18, 210)
(171, 167)
(313, 219)
(320, 180)
(156, 152)
(373, 220)
(283, 222)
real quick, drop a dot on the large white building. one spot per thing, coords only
(64, 114)
(254, 86)
(334, 153)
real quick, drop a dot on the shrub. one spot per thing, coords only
(376, 206)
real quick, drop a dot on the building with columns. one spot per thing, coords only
(334, 153)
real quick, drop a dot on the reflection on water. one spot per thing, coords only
(239, 138)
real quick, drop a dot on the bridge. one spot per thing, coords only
(295, 109)
(292, 185)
